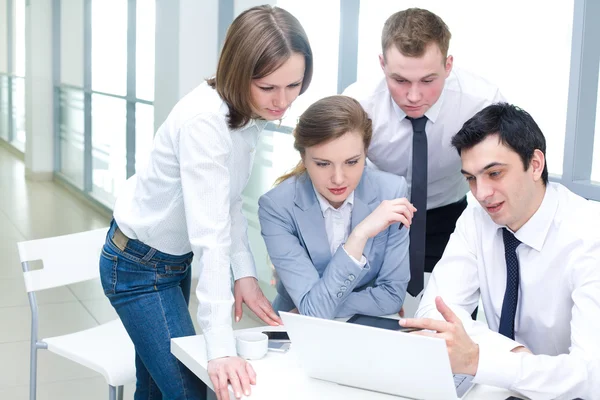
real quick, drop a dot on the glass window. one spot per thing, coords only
(596, 157)
(529, 62)
(108, 147)
(3, 38)
(145, 25)
(144, 133)
(71, 125)
(19, 112)
(19, 81)
(71, 42)
(323, 29)
(109, 46)
(275, 155)
(19, 61)
(4, 114)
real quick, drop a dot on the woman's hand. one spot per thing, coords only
(234, 370)
(387, 213)
(246, 290)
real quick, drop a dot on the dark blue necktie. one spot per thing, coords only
(511, 295)
(419, 200)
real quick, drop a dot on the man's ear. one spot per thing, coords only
(538, 161)
(382, 61)
(448, 65)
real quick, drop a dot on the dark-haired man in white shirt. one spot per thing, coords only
(531, 252)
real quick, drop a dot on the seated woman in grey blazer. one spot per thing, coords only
(336, 231)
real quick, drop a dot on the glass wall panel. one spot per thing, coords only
(145, 24)
(323, 29)
(19, 112)
(71, 128)
(19, 45)
(4, 112)
(275, 155)
(109, 46)
(596, 162)
(71, 42)
(144, 133)
(3, 38)
(108, 147)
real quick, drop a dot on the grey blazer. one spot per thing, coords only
(309, 277)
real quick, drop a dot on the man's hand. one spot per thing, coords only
(521, 349)
(463, 352)
(232, 370)
(401, 312)
(246, 290)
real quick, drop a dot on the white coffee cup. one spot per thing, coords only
(252, 345)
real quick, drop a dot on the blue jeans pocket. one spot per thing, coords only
(166, 269)
(108, 272)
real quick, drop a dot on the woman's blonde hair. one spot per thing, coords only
(326, 120)
(259, 41)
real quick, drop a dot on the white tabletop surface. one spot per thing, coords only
(279, 375)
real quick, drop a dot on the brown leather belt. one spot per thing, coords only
(119, 239)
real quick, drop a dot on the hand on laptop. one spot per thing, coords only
(234, 370)
(246, 290)
(463, 352)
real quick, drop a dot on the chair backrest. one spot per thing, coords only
(66, 259)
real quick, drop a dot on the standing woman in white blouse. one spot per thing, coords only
(187, 201)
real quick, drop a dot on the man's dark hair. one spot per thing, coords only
(514, 127)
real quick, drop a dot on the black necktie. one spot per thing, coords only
(511, 295)
(419, 200)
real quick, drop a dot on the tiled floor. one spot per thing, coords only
(31, 210)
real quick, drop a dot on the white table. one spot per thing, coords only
(279, 376)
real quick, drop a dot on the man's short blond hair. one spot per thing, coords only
(412, 30)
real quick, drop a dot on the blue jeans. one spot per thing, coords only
(150, 291)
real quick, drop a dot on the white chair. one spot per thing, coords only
(106, 349)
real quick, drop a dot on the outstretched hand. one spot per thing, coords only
(463, 352)
(246, 290)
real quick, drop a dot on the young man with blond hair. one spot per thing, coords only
(417, 107)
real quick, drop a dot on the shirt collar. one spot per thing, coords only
(431, 114)
(535, 231)
(325, 205)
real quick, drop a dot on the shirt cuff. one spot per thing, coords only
(220, 342)
(359, 264)
(242, 266)
(498, 367)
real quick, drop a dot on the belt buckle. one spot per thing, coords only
(120, 240)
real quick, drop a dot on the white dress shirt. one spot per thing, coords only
(337, 224)
(558, 311)
(188, 198)
(463, 96)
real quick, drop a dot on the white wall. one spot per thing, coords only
(3, 37)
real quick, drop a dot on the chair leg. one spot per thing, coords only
(112, 392)
(33, 371)
(120, 393)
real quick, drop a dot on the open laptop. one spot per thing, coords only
(376, 359)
